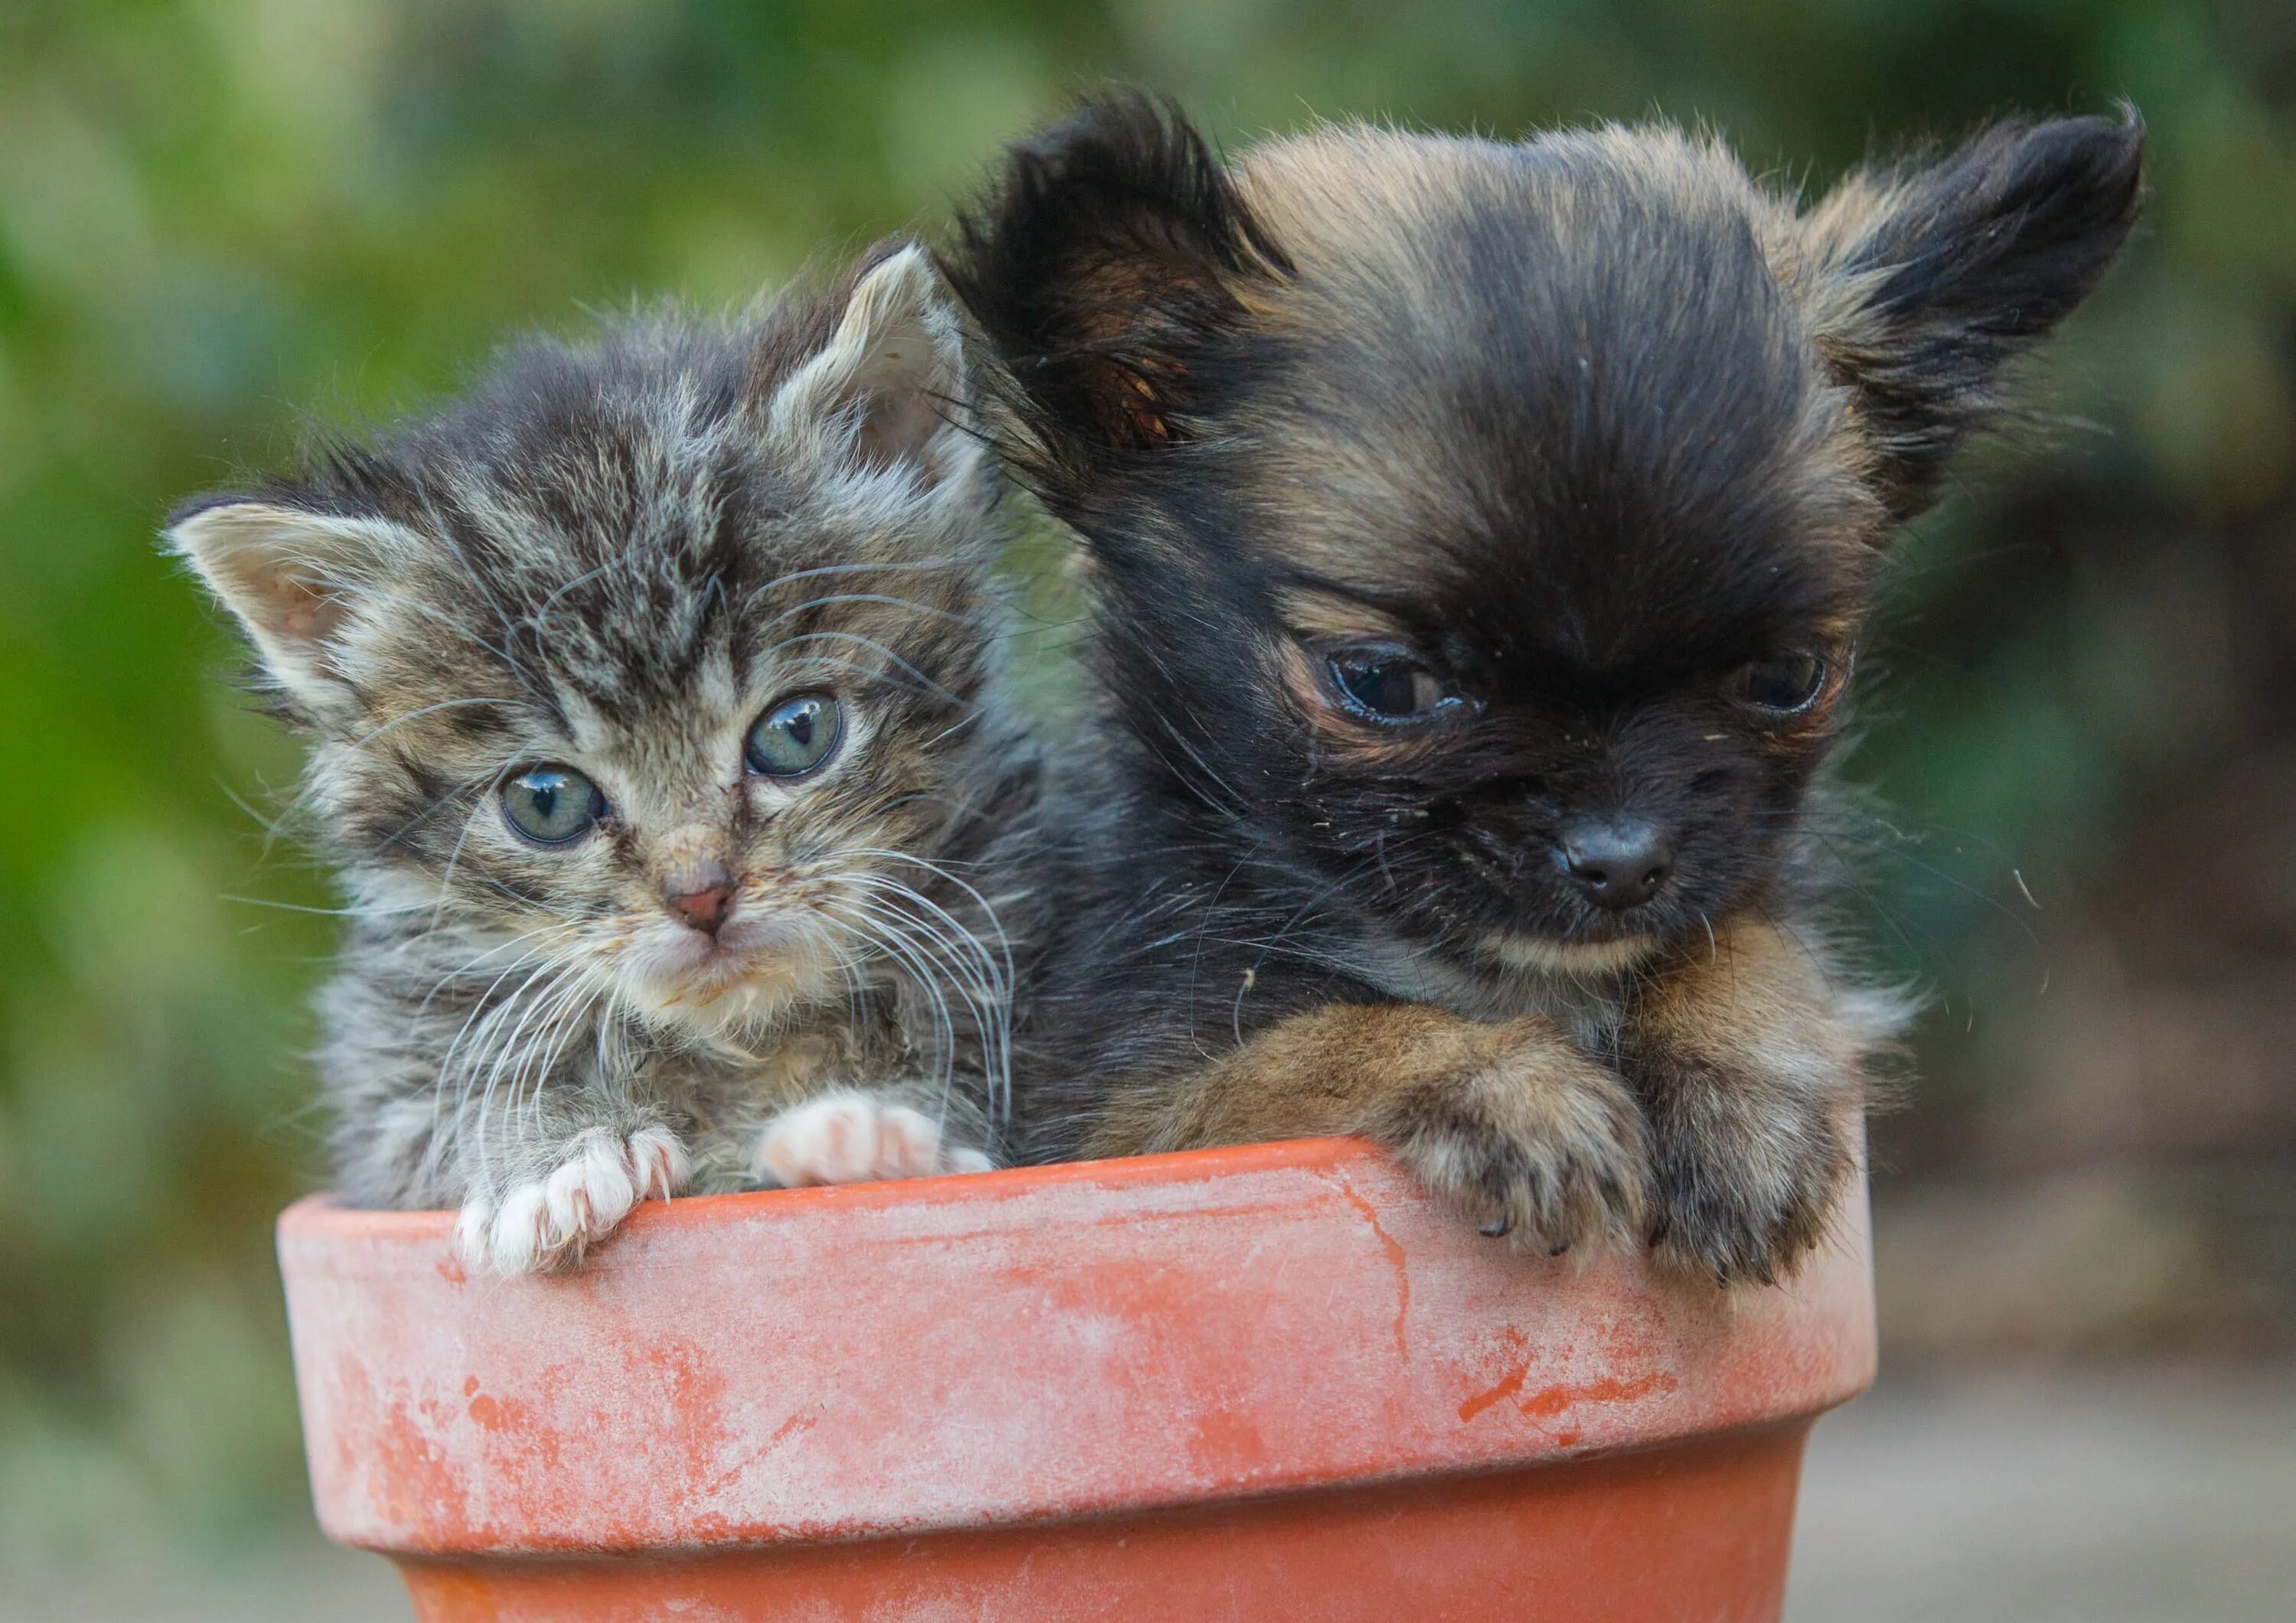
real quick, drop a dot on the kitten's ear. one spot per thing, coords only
(892, 372)
(288, 575)
(1927, 277)
(1113, 247)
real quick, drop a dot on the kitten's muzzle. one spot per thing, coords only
(1615, 863)
(700, 896)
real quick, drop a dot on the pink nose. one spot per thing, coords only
(700, 896)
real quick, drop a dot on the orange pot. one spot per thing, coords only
(1264, 1384)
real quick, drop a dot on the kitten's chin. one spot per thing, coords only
(715, 988)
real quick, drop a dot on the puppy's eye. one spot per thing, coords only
(1387, 683)
(1785, 686)
(552, 805)
(796, 736)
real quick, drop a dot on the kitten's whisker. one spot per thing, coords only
(994, 972)
(416, 715)
(885, 939)
(942, 872)
(970, 622)
(927, 950)
(837, 662)
(874, 645)
(795, 576)
(357, 910)
(533, 996)
(972, 968)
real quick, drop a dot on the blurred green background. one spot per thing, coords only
(215, 218)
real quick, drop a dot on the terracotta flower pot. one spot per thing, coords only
(1264, 1383)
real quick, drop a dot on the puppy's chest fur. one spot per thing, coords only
(1173, 936)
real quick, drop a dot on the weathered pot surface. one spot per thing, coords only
(1266, 1382)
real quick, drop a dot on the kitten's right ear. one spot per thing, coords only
(287, 575)
(1112, 248)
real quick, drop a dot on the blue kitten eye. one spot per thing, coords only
(552, 805)
(795, 736)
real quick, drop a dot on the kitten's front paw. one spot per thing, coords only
(1539, 1143)
(548, 1221)
(1744, 1194)
(855, 1139)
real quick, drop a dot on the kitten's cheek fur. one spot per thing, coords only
(855, 1139)
(549, 1223)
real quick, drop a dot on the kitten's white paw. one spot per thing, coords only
(548, 1222)
(852, 1138)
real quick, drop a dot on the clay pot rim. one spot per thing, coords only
(1007, 1349)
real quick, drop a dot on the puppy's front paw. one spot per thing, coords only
(1538, 1142)
(1744, 1192)
(856, 1138)
(548, 1221)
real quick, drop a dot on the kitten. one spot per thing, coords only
(660, 735)
(1482, 535)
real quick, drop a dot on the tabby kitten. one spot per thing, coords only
(660, 739)
(1484, 534)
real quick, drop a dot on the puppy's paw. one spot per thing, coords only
(548, 1221)
(856, 1138)
(1743, 1195)
(1537, 1143)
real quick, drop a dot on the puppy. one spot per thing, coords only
(1482, 537)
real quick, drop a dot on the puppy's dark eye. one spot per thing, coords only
(796, 736)
(552, 805)
(1387, 683)
(1785, 686)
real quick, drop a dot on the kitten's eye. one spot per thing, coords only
(1387, 683)
(795, 736)
(1786, 684)
(552, 805)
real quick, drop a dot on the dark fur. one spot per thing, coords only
(1590, 423)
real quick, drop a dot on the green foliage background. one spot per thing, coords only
(216, 218)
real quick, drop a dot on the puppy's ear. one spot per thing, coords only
(882, 394)
(1113, 252)
(290, 577)
(1929, 276)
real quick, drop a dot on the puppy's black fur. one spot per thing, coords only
(1482, 535)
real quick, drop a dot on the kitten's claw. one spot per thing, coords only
(853, 1138)
(548, 1221)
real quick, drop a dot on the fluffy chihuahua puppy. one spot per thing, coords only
(1482, 535)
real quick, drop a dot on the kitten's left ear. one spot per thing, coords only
(887, 386)
(1926, 279)
(290, 577)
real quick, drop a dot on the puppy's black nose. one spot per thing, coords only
(1618, 863)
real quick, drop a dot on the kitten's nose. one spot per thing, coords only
(1618, 862)
(700, 894)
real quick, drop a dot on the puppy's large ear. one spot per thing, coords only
(881, 395)
(1112, 254)
(290, 575)
(1928, 276)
